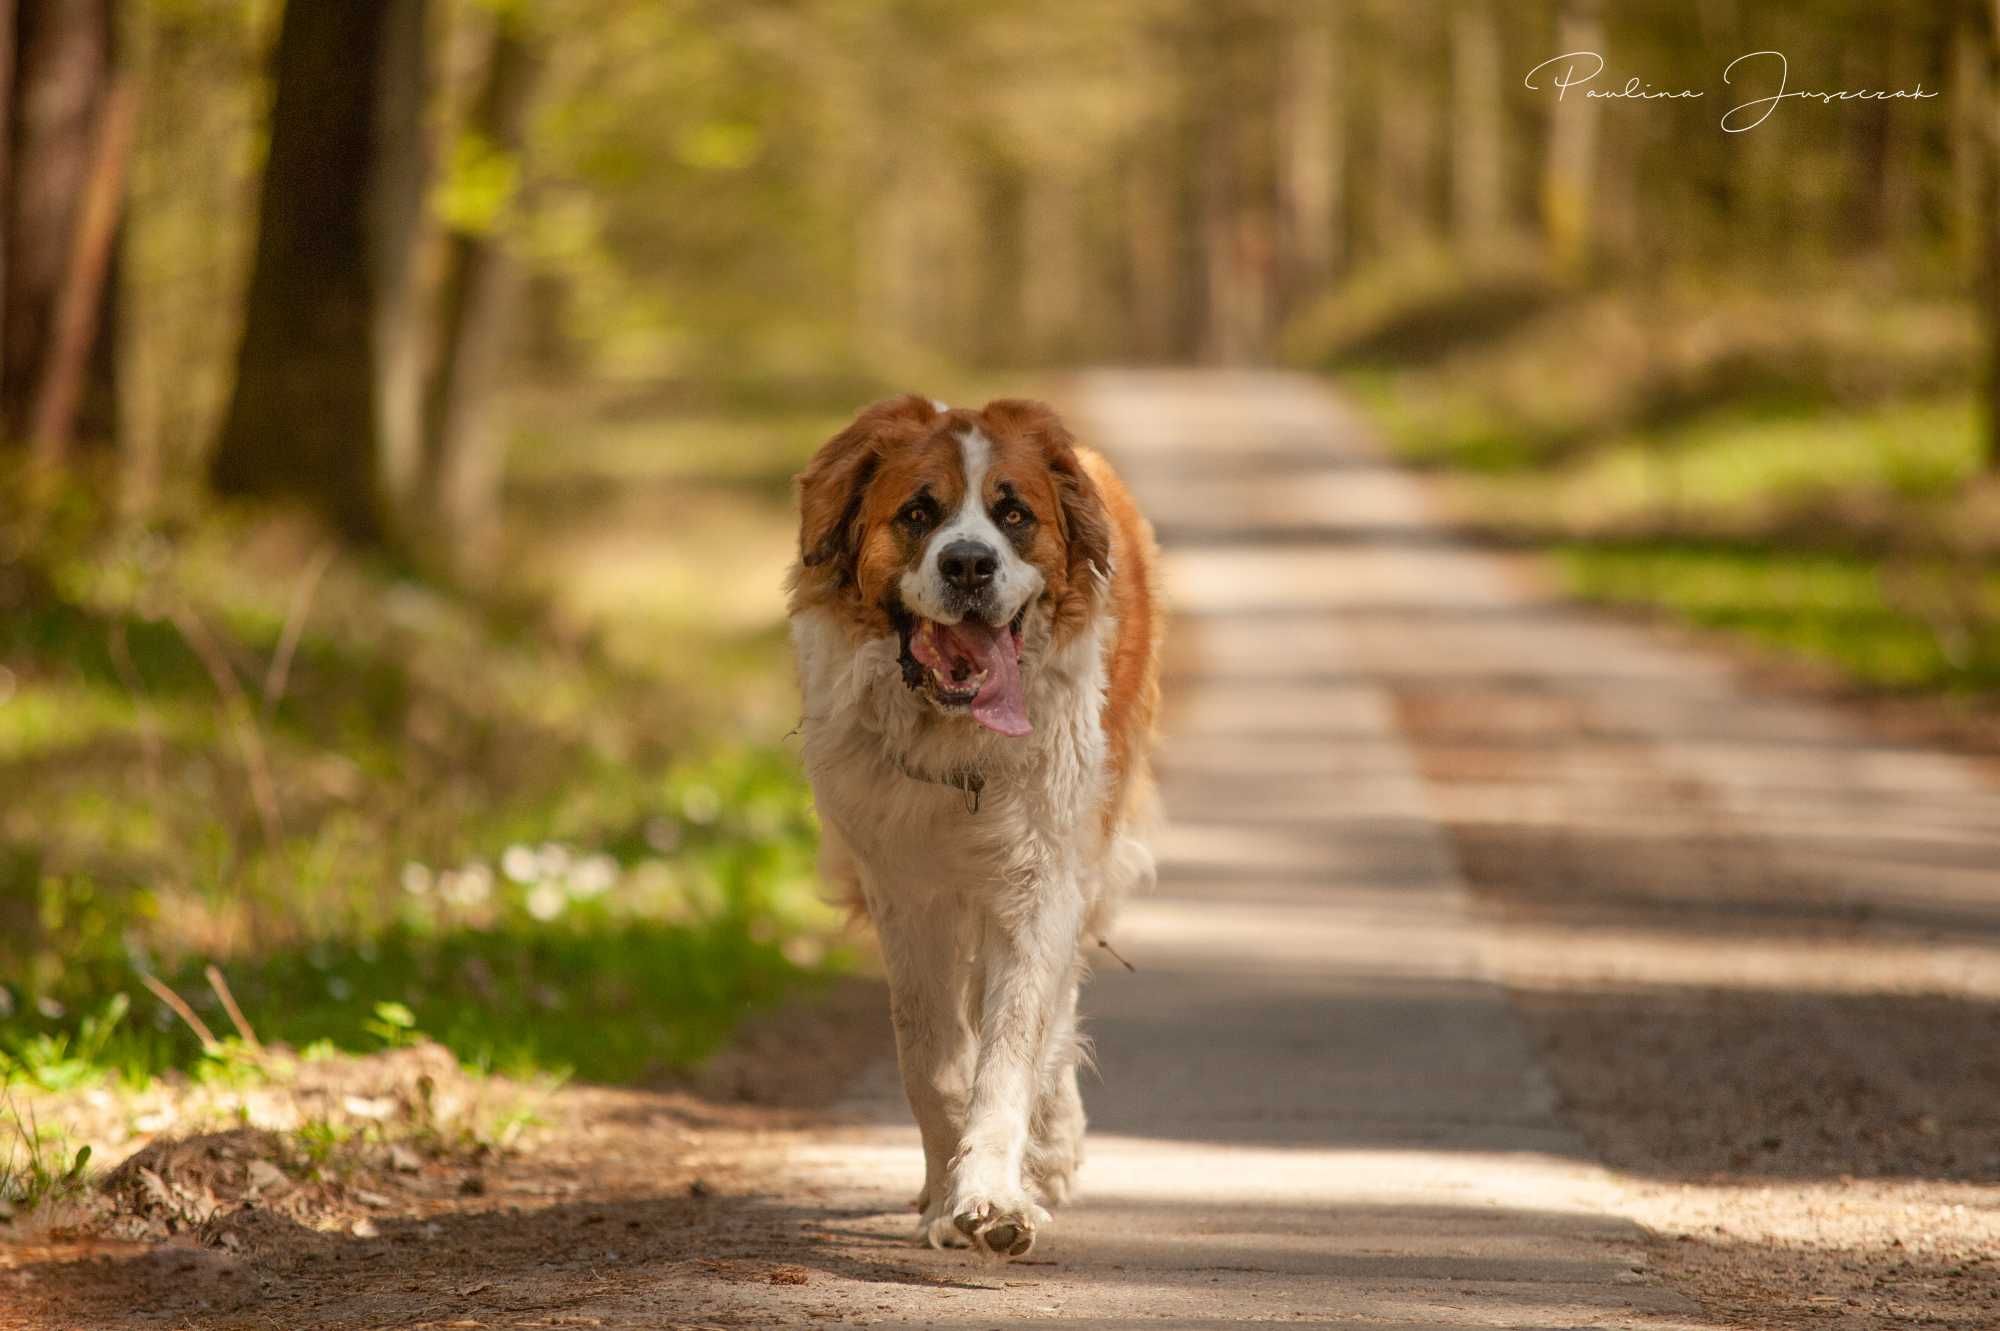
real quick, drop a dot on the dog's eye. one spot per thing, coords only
(917, 515)
(1013, 517)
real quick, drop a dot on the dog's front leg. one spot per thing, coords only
(923, 949)
(1028, 950)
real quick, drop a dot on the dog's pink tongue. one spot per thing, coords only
(1000, 705)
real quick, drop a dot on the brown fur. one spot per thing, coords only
(851, 550)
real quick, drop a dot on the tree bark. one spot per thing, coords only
(1992, 239)
(1311, 153)
(67, 359)
(9, 28)
(326, 398)
(1569, 174)
(1971, 53)
(61, 75)
(1478, 141)
(1406, 135)
(1054, 285)
(458, 481)
(1152, 243)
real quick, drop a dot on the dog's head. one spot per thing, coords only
(976, 537)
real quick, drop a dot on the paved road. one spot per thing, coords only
(1316, 1107)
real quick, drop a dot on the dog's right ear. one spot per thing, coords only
(833, 484)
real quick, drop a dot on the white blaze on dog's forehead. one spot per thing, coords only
(1015, 580)
(939, 405)
(976, 450)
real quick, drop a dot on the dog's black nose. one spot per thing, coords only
(968, 565)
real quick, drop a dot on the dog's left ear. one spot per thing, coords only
(833, 484)
(1086, 525)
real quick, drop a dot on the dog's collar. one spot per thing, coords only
(966, 779)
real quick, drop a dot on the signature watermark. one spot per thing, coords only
(1580, 69)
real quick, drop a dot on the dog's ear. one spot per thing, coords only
(833, 484)
(1085, 523)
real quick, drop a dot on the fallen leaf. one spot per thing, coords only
(404, 1160)
(361, 1106)
(364, 1228)
(267, 1177)
(374, 1200)
(156, 1188)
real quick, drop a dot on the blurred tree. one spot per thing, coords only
(326, 397)
(1478, 138)
(459, 467)
(1570, 166)
(1407, 99)
(1312, 150)
(60, 77)
(1992, 237)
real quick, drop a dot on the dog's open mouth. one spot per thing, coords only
(975, 665)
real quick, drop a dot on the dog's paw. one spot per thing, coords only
(999, 1228)
(1054, 1176)
(936, 1230)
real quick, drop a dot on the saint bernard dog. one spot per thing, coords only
(978, 637)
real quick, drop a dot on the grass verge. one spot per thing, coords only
(1802, 473)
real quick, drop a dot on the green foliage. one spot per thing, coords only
(63, 1060)
(545, 854)
(1846, 611)
(394, 1025)
(37, 1166)
(478, 185)
(1802, 473)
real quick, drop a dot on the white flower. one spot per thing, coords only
(593, 876)
(469, 886)
(553, 859)
(545, 902)
(417, 879)
(520, 864)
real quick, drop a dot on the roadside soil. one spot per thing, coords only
(656, 1202)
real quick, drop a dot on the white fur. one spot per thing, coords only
(982, 915)
(1015, 582)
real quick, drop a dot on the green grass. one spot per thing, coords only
(1809, 479)
(37, 1164)
(1847, 611)
(564, 831)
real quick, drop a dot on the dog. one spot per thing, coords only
(978, 630)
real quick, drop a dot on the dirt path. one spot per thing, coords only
(1466, 897)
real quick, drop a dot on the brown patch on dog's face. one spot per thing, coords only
(1066, 533)
(875, 493)
(841, 503)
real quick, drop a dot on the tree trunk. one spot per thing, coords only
(1311, 154)
(1478, 141)
(1971, 52)
(1569, 175)
(1053, 286)
(326, 398)
(61, 75)
(1406, 133)
(459, 471)
(1992, 239)
(9, 31)
(1152, 243)
(66, 362)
